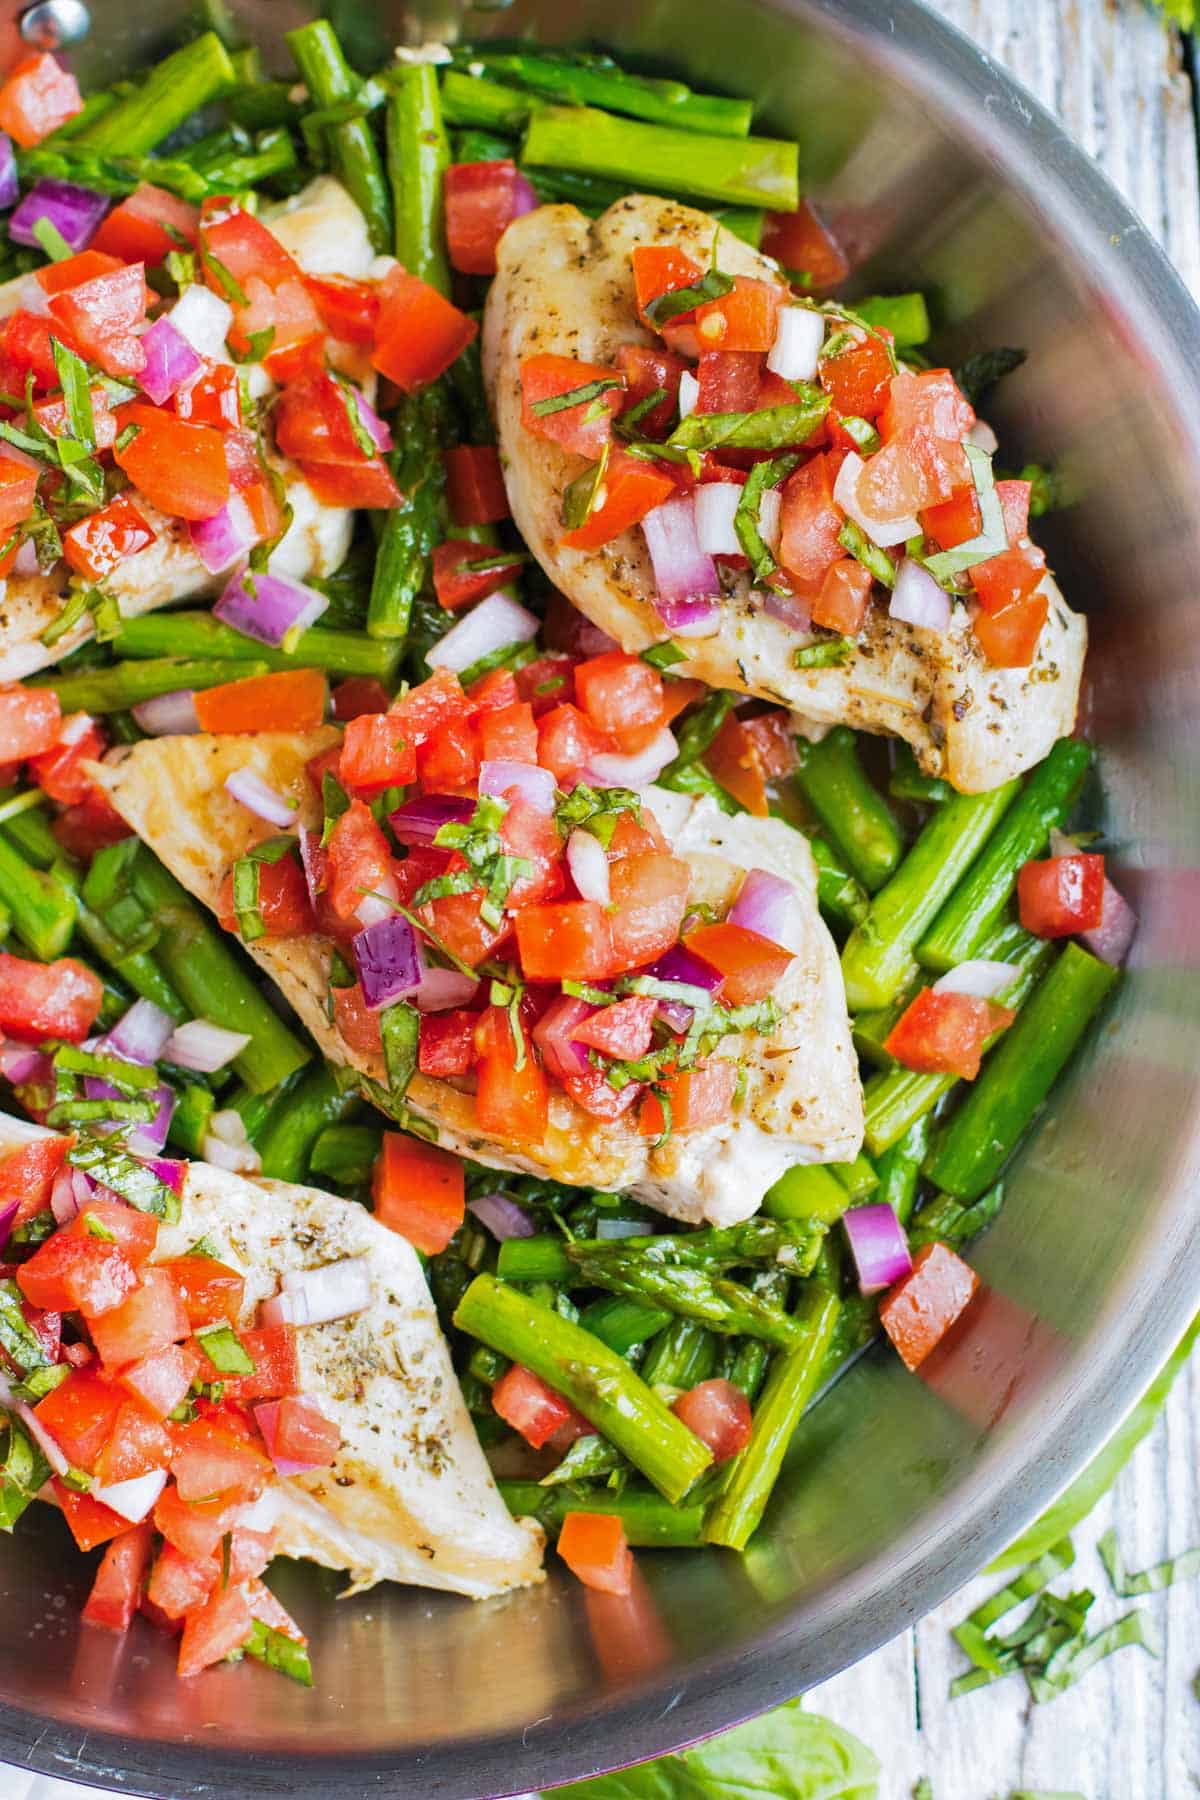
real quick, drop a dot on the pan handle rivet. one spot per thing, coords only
(53, 24)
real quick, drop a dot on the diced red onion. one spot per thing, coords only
(51, 1449)
(1111, 938)
(311, 859)
(799, 335)
(146, 1140)
(772, 907)
(170, 362)
(266, 1417)
(264, 801)
(203, 318)
(379, 433)
(552, 1035)
(884, 532)
(608, 769)
(139, 1034)
(225, 538)
(8, 1218)
(418, 821)
(502, 1217)
(687, 600)
(878, 1245)
(168, 715)
(20, 1063)
(588, 864)
(169, 1170)
(441, 989)
(495, 624)
(680, 964)
(10, 187)
(203, 1046)
(982, 979)
(227, 1146)
(918, 600)
(388, 959)
(72, 1189)
(268, 608)
(25, 562)
(789, 609)
(715, 503)
(535, 785)
(74, 212)
(689, 393)
(318, 1296)
(132, 1499)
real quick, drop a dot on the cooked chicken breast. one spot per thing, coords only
(410, 1497)
(564, 286)
(326, 233)
(802, 1101)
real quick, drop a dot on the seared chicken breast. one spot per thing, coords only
(410, 1497)
(802, 1100)
(564, 286)
(326, 233)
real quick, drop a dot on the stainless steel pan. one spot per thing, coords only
(945, 176)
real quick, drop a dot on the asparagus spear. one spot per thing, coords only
(262, 105)
(124, 885)
(906, 782)
(345, 1154)
(840, 896)
(737, 171)
(712, 1250)
(175, 88)
(623, 1322)
(650, 1522)
(900, 1169)
(945, 1221)
(42, 905)
(125, 684)
(418, 157)
(110, 174)
(727, 1307)
(791, 1383)
(972, 1149)
(272, 154)
(859, 1178)
(852, 812)
(330, 79)
(659, 102)
(199, 635)
(421, 427)
(906, 316)
(587, 1458)
(598, 1383)
(879, 953)
(747, 1366)
(682, 1355)
(472, 100)
(194, 1107)
(807, 1191)
(978, 901)
(296, 1119)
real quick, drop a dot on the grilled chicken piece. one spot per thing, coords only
(326, 233)
(565, 287)
(410, 1497)
(802, 1101)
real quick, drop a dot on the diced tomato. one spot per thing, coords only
(30, 721)
(1061, 895)
(932, 399)
(147, 226)
(718, 1413)
(48, 1000)
(631, 488)
(945, 1033)
(510, 1103)
(208, 1289)
(272, 1350)
(524, 1401)
(376, 753)
(456, 583)
(159, 1382)
(118, 1584)
(660, 269)
(243, 245)
(1014, 498)
(136, 1232)
(434, 703)
(194, 1528)
(919, 1311)
(546, 683)
(418, 1190)
(475, 485)
(91, 1523)
(492, 692)
(509, 734)
(180, 468)
(857, 381)
(590, 1089)
(649, 891)
(752, 965)
(1005, 580)
(291, 700)
(646, 369)
(844, 595)
(447, 1043)
(26, 340)
(482, 200)
(179, 1582)
(286, 310)
(213, 398)
(569, 940)
(80, 1414)
(349, 309)
(68, 1274)
(312, 421)
(747, 752)
(27, 1175)
(95, 546)
(729, 381)
(621, 695)
(456, 920)
(213, 1631)
(622, 1031)
(152, 1317)
(136, 1445)
(567, 740)
(912, 471)
(264, 1606)
(18, 488)
(60, 771)
(449, 762)
(698, 1097)
(359, 858)
(419, 333)
(357, 696)
(210, 1461)
(805, 246)
(527, 832)
(38, 96)
(954, 521)
(809, 520)
(595, 1549)
(745, 319)
(283, 903)
(1009, 638)
(102, 315)
(583, 427)
(302, 1433)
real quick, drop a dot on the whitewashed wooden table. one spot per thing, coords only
(1131, 1729)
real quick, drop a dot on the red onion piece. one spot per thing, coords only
(224, 539)
(980, 978)
(533, 783)
(589, 866)
(268, 608)
(148, 1140)
(132, 1499)
(266, 1417)
(51, 1449)
(170, 362)
(203, 1046)
(502, 1217)
(495, 624)
(878, 1245)
(388, 959)
(522, 197)
(419, 820)
(312, 859)
(20, 1063)
(140, 1034)
(169, 1169)
(10, 187)
(64, 1199)
(264, 801)
(1111, 938)
(441, 989)
(74, 211)
(553, 1036)
(168, 715)
(607, 769)
(25, 562)
(679, 964)
(789, 609)
(917, 599)
(688, 586)
(377, 906)
(8, 1218)
(772, 907)
(317, 1296)
(884, 532)
(378, 431)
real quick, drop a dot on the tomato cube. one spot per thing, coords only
(447, 1043)
(567, 740)
(136, 1232)
(482, 200)
(660, 269)
(61, 999)
(568, 940)
(209, 1289)
(18, 489)
(147, 226)
(647, 369)
(118, 1584)
(178, 1582)
(718, 1413)
(152, 1317)
(475, 485)
(631, 489)
(524, 1401)
(622, 1031)
(1009, 638)
(272, 1349)
(751, 964)
(619, 693)
(805, 246)
(102, 316)
(90, 1521)
(209, 1461)
(418, 1190)
(698, 1097)
(1061, 895)
(180, 468)
(594, 1548)
(932, 399)
(582, 427)
(194, 1528)
(30, 720)
(135, 1446)
(919, 1311)
(37, 97)
(27, 1175)
(510, 1103)
(419, 333)
(160, 1381)
(214, 1630)
(360, 861)
(299, 1432)
(79, 1414)
(649, 892)
(69, 1274)
(945, 1033)
(810, 521)
(845, 593)
(857, 380)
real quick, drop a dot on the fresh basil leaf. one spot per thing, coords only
(713, 285)
(590, 390)
(769, 428)
(279, 1652)
(991, 541)
(581, 496)
(664, 656)
(1184, 1567)
(258, 345)
(978, 375)
(399, 1026)
(18, 1339)
(225, 1349)
(874, 559)
(633, 415)
(51, 239)
(108, 1163)
(762, 476)
(906, 316)
(73, 378)
(826, 654)
(245, 900)
(23, 1472)
(226, 280)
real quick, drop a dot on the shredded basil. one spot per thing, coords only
(633, 415)
(862, 432)
(1184, 1567)
(590, 390)
(129, 1077)
(489, 865)
(125, 438)
(245, 900)
(768, 428)
(20, 1343)
(664, 656)
(991, 541)
(334, 802)
(596, 810)
(762, 476)
(400, 1027)
(23, 1473)
(181, 267)
(362, 438)
(107, 1162)
(51, 239)
(258, 345)
(826, 654)
(713, 285)
(73, 378)
(978, 375)
(279, 1652)
(876, 560)
(582, 496)
(225, 1350)
(204, 1246)
(229, 284)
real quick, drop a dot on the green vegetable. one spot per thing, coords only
(900, 1169)
(807, 1191)
(280, 1652)
(418, 156)
(103, 1158)
(875, 561)
(841, 898)
(762, 476)
(472, 100)
(582, 84)
(421, 429)
(770, 428)
(738, 172)
(1031, 1580)
(852, 812)
(298, 1119)
(126, 684)
(825, 653)
(225, 1349)
(42, 906)
(23, 1473)
(199, 635)
(352, 150)
(18, 1340)
(684, 1354)
(906, 782)
(978, 375)
(399, 1026)
(1183, 1567)
(904, 315)
(946, 565)
(650, 1521)
(174, 90)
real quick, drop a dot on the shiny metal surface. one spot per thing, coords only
(944, 176)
